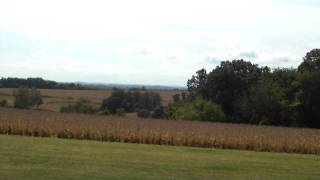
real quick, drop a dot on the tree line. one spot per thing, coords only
(37, 83)
(252, 94)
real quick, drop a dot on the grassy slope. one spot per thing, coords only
(43, 158)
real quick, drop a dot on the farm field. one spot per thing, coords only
(53, 99)
(150, 131)
(49, 158)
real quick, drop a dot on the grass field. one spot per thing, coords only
(165, 132)
(48, 158)
(55, 98)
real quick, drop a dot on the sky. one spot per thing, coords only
(150, 42)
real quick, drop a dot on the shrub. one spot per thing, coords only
(131, 101)
(121, 112)
(143, 113)
(199, 109)
(104, 112)
(81, 106)
(26, 98)
(158, 112)
(3, 103)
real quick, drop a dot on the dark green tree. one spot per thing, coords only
(311, 61)
(26, 98)
(231, 81)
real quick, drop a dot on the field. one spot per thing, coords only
(164, 132)
(47, 158)
(55, 98)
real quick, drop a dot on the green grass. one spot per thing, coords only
(45, 158)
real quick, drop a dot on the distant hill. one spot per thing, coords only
(37, 82)
(130, 86)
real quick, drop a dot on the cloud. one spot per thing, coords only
(211, 60)
(280, 59)
(142, 51)
(248, 55)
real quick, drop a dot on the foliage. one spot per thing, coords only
(143, 113)
(248, 93)
(131, 101)
(81, 106)
(311, 61)
(36, 83)
(26, 98)
(158, 112)
(121, 112)
(3, 103)
(310, 98)
(200, 109)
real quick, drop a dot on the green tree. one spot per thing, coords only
(198, 83)
(311, 61)
(310, 98)
(26, 98)
(231, 81)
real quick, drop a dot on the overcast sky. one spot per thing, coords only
(150, 42)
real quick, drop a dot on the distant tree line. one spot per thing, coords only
(37, 83)
(145, 103)
(248, 93)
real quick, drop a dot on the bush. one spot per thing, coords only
(104, 112)
(131, 101)
(121, 112)
(199, 109)
(26, 98)
(158, 112)
(81, 106)
(3, 103)
(143, 113)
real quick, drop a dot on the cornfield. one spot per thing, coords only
(162, 132)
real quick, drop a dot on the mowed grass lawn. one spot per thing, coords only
(50, 158)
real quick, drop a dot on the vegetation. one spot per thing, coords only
(42, 158)
(181, 133)
(131, 101)
(25, 98)
(198, 109)
(54, 99)
(251, 94)
(80, 106)
(3, 103)
(36, 83)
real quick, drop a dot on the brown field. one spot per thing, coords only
(55, 98)
(149, 131)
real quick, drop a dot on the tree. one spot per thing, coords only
(81, 106)
(310, 98)
(143, 113)
(176, 98)
(158, 112)
(311, 61)
(231, 81)
(131, 101)
(267, 104)
(115, 101)
(26, 98)
(198, 83)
